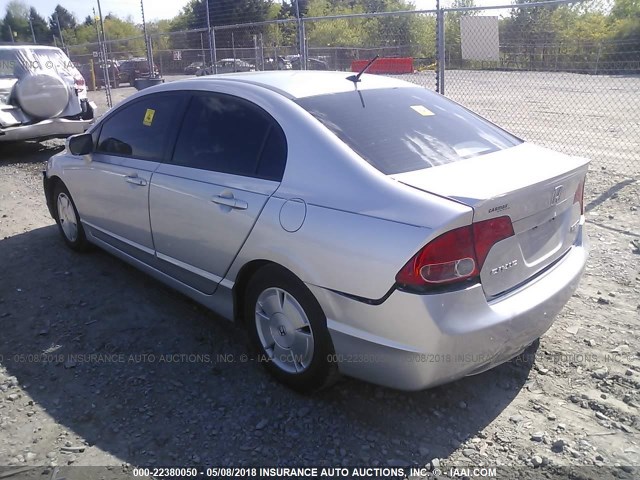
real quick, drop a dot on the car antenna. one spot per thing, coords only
(356, 78)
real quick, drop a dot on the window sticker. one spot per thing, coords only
(422, 110)
(148, 117)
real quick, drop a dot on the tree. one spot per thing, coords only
(626, 9)
(40, 27)
(63, 17)
(625, 23)
(222, 12)
(452, 36)
(529, 31)
(132, 44)
(290, 9)
(16, 22)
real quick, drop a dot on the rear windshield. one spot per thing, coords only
(19, 61)
(403, 129)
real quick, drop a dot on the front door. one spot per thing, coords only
(112, 190)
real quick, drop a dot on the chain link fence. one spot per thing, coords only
(405, 42)
(577, 93)
(550, 72)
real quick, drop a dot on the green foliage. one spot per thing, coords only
(626, 9)
(63, 17)
(125, 39)
(16, 21)
(40, 27)
(401, 35)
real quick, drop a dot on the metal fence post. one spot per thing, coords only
(303, 38)
(103, 54)
(301, 48)
(211, 54)
(440, 50)
(214, 55)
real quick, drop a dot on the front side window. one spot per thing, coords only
(227, 134)
(140, 129)
(403, 129)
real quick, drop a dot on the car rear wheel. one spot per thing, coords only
(288, 330)
(68, 219)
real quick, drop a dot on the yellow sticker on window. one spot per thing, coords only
(148, 117)
(422, 110)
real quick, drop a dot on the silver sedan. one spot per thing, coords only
(364, 226)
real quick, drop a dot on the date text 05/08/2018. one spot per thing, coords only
(312, 472)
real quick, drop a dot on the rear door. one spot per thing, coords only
(112, 190)
(228, 160)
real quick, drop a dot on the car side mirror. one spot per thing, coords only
(81, 144)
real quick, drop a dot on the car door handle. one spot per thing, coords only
(135, 180)
(230, 202)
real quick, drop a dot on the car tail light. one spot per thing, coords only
(489, 232)
(456, 255)
(579, 196)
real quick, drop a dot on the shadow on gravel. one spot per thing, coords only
(144, 374)
(12, 153)
(606, 195)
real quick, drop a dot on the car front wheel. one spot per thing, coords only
(288, 330)
(68, 219)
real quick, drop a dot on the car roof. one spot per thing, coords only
(303, 83)
(30, 46)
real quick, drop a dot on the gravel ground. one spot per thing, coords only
(167, 384)
(593, 116)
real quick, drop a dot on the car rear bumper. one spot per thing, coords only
(411, 341)
(55, 127)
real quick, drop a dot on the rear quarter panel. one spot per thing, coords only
(351, 253)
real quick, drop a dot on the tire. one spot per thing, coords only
(42, 96)
(68, 220)
(288, 330)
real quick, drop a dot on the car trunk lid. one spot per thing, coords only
(533, 186)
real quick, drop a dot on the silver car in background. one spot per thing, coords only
(365, 226)
(226, 65)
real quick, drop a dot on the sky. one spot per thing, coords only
(153, 9)
(157, 9)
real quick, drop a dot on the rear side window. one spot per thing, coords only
(403, 129)
(12, 63)
(227, 134)
(141, 129)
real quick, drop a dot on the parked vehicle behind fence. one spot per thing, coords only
(227, 65)
(192, 68)
(135, 68)
(42, 94)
